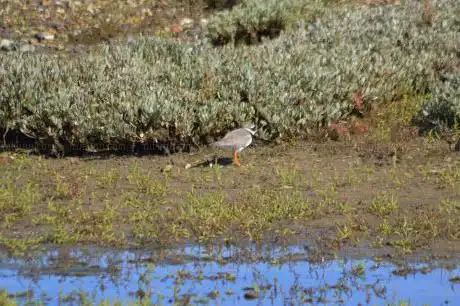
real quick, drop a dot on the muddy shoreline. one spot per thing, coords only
(329, 196)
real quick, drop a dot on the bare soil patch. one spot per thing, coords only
(355, 196)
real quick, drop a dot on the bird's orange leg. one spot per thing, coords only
(235, 159)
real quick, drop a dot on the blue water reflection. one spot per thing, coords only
(200, 278)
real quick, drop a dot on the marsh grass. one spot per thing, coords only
(150, 210)
(16, 199)
(110, 178)
(143, 298)
(449, 176)
(401, 229)
(135, 204)
(388, 122)
(383, 205)
(73, 223)
(445, 176)
(290, 176)
(358, 270)
(409, 232)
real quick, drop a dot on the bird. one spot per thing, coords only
(237, 140)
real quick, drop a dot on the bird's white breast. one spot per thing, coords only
(246, 144)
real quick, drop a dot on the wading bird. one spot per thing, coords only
(237, 140)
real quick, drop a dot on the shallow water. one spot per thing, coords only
(224, 278)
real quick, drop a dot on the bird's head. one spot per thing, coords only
(250, 127)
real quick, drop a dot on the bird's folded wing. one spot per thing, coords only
(228, 140)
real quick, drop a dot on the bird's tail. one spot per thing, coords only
(214, 144)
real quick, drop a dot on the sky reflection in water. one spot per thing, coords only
(328, 283)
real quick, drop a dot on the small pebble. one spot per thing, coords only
(168, 168)
(57, 26)
(6, 44)
(203, 21)
(90, 9)
(186, 23)
(251, 295)
(44, 36)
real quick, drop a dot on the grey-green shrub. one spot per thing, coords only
(182, 93)
(443, 109)
(250, 20)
